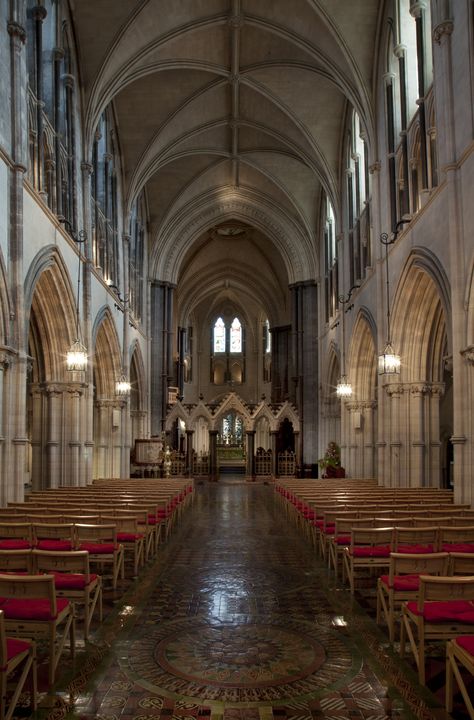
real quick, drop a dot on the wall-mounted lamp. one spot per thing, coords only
(389, 361)
(76, 356)
(123, 386)
(124, 300)
(343, 387)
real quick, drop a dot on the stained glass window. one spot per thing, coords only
(219, 336)
(236, 336)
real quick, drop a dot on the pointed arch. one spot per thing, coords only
(423, 334)
(362, 364)
(50, 306)
(107, 364)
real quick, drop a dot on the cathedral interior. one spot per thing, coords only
(235, 265)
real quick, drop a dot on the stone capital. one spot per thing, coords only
(87, 169)
(399, 50)
(15, 30)
(468, 354)
(375, 167)
(443, 29)
(394, 389)
(39, 12)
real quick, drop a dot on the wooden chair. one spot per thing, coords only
(456, 538)
(418, 540)
(53, 536)
(15, 536)
(444, 610)
(461, 563)
(18, 562)
(403, 581)
(72, 580)
(341, 538)
(459, 651)
(129, 536)
(31, 610)
(101, 543)
(13, 653)
(369, 548)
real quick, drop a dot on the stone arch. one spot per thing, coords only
(108, 408)
(362, 365)
(5, 306)
(138, 409)
(56, 398)
(50, 306)
(107, 365)
(359, 432)
(422, 335)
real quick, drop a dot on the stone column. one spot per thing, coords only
(394, 392)
(369, 409)
(15, 461)
(75, 478)
(161, 352)
(436, 391)
(273, 439)
(54, 424)
(418, 435)
(88, 404)
(189, 452)
(213, 469)
(250, 464)
(125, 429)
(463, 447)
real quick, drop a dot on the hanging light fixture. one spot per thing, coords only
(389, 361)
(123, 386)
(76, 356)
(343, 387)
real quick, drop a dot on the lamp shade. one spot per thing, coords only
(122, 386)
(389, 362)
(76, 357)
(343, 388)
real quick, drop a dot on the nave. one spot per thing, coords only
(238, 619)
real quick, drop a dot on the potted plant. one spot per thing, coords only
(330, 464)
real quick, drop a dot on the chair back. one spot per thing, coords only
(12, 561)
(417, 564)
(30, 587)
(69, 561)
(445, 589)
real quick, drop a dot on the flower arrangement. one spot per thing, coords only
(330, 464)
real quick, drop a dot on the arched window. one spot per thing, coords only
(330, 260)
(104, 200)
(358, 201)
(236, 336)
(227, 352)
(219, 336)
(411, 160)
(138, 221)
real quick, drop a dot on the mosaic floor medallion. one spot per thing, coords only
(276, 660)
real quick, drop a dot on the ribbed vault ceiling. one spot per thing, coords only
(229, 110)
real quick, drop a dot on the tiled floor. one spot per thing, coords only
(238, 620)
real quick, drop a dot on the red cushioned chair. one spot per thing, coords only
(461, 563)
(31, 610)
(129, 536)
(418, 540)
(340, 537)
(13, 653)
(459, 539)
(403, 581)
(444, 610)
(53, 536)
(459, 651)
(16, 561)
(369, 548)
(101, 543)
(72, 580)
(15, 536)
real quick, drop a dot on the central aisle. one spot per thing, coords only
(237, 618)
